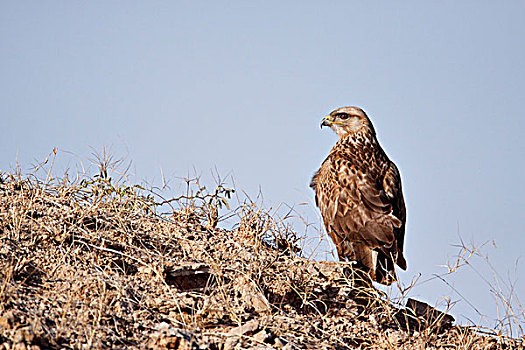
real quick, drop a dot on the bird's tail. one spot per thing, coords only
(377, 263)
(385, 271)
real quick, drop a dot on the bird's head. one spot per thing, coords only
(347, 120)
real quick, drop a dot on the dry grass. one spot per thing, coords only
(89, 263)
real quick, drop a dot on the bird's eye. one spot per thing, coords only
(343, 116)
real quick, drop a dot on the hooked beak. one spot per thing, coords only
(326, 121)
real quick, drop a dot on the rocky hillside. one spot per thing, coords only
(91, 264)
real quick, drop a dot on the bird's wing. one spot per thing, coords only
(393, 189)
(355, 205)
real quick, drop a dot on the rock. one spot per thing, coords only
(239, 335)
(427, 315)
(252, 295)
(173, 338)
(187, 277)
(246, 329)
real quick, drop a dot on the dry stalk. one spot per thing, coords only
(90, 261)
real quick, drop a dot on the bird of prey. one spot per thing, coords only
(358, 191)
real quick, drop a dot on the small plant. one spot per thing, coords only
(198, 204)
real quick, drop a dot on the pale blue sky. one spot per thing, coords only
(243, 86)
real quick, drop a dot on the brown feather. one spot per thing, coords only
(358, 191)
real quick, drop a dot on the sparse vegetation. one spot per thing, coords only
(90, 263)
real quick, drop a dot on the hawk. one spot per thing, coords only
(358, 191)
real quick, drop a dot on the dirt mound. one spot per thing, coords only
(91, 265)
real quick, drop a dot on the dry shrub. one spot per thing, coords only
(90, 263)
